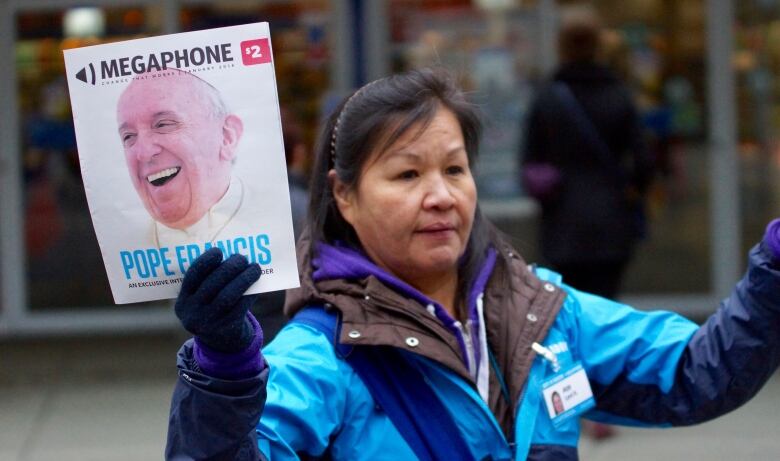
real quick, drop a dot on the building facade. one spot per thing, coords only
(703, 73)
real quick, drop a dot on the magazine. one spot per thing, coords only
(180, 144)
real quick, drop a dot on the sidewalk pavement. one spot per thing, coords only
(107, 399)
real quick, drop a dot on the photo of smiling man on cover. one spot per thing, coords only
(180, 144)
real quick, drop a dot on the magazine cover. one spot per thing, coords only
(180, 145)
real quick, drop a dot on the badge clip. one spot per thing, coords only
(548, 355)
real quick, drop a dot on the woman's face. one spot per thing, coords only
(414, 204)
(557, 403)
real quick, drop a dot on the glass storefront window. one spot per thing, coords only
(500, 51)
(64, 266)
(757, 63)
(661, 48)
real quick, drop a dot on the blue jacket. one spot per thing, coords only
(645, 369)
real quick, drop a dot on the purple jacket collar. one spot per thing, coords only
(342, 262)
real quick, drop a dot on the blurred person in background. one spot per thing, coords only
(418, 332)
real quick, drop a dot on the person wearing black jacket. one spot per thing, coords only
(584, 127)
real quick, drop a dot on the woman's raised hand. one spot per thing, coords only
(211, 304)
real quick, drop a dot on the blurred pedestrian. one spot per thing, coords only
(419, 333)
(586, 162)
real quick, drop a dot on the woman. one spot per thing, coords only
(418, 333)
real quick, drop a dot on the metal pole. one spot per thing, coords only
(377, 38)
(724, 171)
(13, 300)
(170, 17)
(341, 47)
(548, 36)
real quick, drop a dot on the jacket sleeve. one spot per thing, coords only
(289, 411)
(308, 395)
(213, 419)
(657, 368)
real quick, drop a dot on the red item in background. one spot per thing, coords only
(43, 219)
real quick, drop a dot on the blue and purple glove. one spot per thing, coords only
(772, 238)
(212, 306)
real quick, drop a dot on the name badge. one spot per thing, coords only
(567, 394)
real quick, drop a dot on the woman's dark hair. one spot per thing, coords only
(372, 118)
